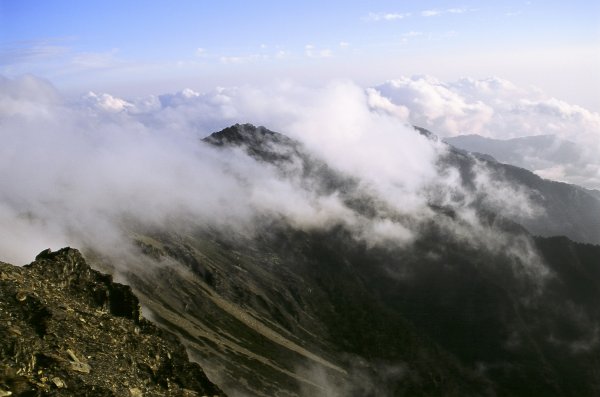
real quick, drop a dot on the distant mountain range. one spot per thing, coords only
(530, 152)
(547, 156)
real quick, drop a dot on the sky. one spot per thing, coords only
(149, 47)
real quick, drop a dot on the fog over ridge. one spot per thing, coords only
(73, 170)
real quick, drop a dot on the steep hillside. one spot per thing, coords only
(287, 312)
(296, 313)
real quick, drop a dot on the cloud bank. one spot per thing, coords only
(81, 172)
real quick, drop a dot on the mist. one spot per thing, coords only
(80, 172)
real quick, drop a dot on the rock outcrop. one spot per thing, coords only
(68, 330)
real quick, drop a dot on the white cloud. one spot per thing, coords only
(28, 97)
(433, 104)
(437, 12)
(75, 169)
(106, 102)
(431, 13)
(456, 10)
(378, 102)
(386, 16)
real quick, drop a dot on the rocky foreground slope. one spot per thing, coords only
(68, 330)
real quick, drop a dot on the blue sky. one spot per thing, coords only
(151, 46)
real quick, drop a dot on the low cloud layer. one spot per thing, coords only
(72, 173)
(75, 172)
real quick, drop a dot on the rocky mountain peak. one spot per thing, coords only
(66, 264)
(239, 134)
(259, 142)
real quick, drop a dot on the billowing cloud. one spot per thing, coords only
(27, 97)
(106, 102)
(73, 171)
(70, 172)
(437, 106)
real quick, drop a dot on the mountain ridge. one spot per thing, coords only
(440, 317)
(568, 209)
(464, 309)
